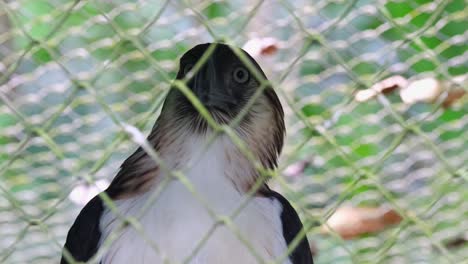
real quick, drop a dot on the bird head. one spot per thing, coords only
(223, 83)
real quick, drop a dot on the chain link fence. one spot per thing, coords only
(373, 91)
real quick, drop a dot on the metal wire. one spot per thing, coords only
(81, 81)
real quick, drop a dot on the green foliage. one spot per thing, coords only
(398, 9)
(313, 110)
(42, 56)
(216, 9)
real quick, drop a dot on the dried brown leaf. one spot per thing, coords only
(452, 97)
(352, 222)
(261, 47)
(385, 86)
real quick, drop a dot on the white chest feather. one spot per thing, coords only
(176, 222)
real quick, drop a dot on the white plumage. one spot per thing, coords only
(177, 221)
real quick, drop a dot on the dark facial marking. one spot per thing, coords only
(223, 83)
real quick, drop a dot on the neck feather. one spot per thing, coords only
(197, 156)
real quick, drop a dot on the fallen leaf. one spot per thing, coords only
(365, 95)
(351, 222)
(261, 47)
(457, 242)
(385, 86)
(295, 169)
(424, 90)
(83, 193)
(452, 97)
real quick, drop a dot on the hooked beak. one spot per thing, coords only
(209, 86)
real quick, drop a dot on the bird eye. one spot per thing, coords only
(240, 75)
(187, 68)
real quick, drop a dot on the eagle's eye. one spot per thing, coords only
(240, 75)
(187, 68)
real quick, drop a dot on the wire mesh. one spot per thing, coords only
(79, 79)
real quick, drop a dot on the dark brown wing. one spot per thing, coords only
(291, 227)
(83, 237)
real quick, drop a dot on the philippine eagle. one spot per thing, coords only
(176, 222)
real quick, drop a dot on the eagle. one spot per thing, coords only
(224, 177)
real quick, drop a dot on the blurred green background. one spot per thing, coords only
(70, 69)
